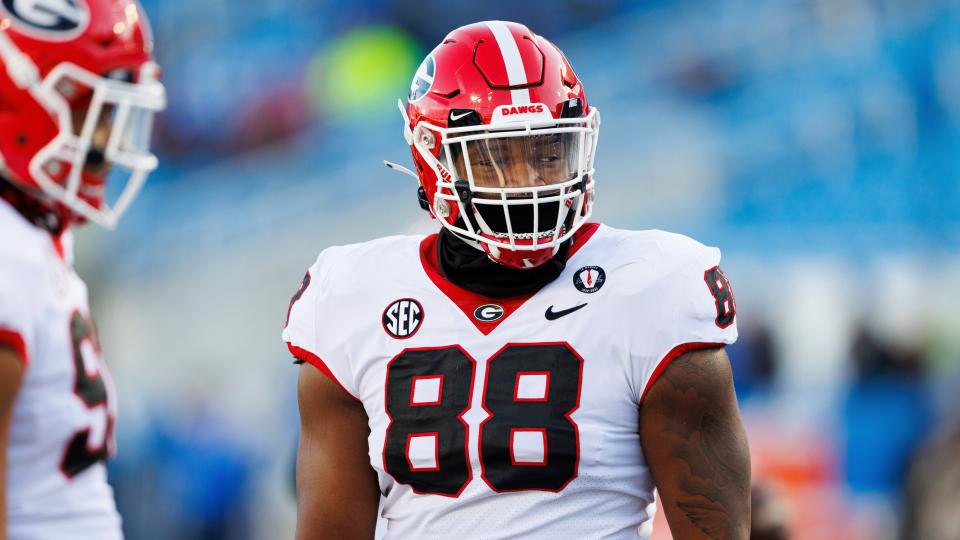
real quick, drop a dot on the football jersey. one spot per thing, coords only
(510, 418)
(62, 424)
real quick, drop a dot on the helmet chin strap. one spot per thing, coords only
(407, 136)
(34, 206)
(407, 132)
(400, 169)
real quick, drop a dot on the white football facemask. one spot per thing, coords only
(128, 107)
(516, 183)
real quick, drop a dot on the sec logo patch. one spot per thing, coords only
(402, 318)
(589, 279)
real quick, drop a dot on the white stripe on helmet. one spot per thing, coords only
(516, 74)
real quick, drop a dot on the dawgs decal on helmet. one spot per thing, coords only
(53, 20)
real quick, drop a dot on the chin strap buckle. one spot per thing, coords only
(462, 188)
(422, 198)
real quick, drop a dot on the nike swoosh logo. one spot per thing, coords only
(455, 117)
(552, 315)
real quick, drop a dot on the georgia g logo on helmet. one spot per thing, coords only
(53, 20)
(423, 80)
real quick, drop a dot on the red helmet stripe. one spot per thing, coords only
(512, 60)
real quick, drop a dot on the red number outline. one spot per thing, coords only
(546, 451)
(436, 451)
(516, 388)
(413, 388)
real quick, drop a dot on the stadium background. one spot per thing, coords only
(815, 142)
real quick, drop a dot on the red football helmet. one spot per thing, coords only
(503, 141)
(78, 91)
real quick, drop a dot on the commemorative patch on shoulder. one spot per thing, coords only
(589, 279)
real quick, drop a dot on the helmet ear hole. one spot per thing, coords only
(426, 138)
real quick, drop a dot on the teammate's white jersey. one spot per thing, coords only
(510, 418)
(63, 416)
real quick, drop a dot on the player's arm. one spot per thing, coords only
(337, 489)
(11, 374)
(696, 447)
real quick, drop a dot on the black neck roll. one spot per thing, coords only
(469, 268)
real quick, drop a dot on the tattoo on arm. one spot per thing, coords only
(696, 448)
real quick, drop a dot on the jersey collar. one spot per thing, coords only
(469, 301)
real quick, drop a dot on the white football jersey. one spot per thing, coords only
(63, 416)
(510, 418)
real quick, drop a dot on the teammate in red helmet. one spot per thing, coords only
(524, 373)
(78, 91)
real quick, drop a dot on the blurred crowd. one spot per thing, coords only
(815, 142)
(248, 76)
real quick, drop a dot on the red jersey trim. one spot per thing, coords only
(675, 353)
(13, 340)
(468, 301)
(581, 237)
(57, 240)
(315, 361)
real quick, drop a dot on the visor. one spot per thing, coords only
(526, 161)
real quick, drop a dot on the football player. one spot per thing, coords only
(525, 373)
(78, 90)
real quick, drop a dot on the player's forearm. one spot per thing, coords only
(3, 493)
(332, 502)
(697, 449)
(345, 527)
(335, 519)
(3, 504)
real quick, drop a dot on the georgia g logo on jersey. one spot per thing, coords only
(52, 20)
